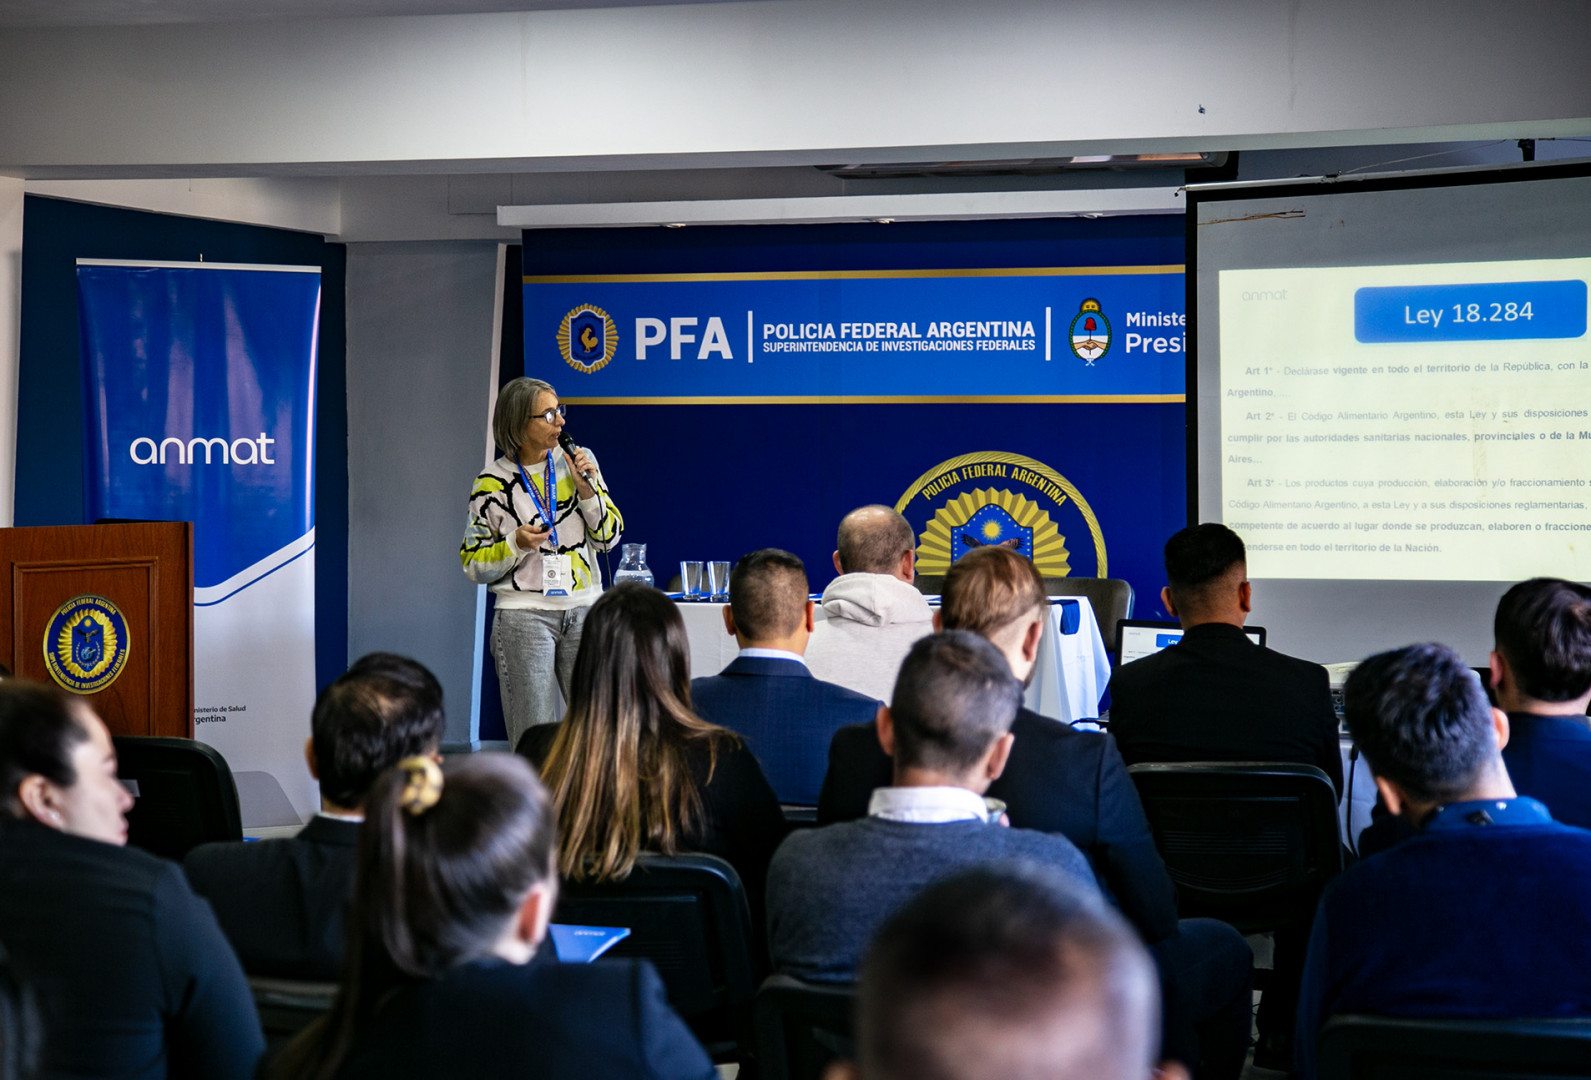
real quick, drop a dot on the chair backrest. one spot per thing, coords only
(1111, 598)
(288, 1006)
(1384, 1048)
(802, 1027)
(929, 584)
(688, 915)
(1251, 843)
(183, 794)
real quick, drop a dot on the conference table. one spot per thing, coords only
(1069, 676)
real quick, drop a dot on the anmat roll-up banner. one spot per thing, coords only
(199, 396)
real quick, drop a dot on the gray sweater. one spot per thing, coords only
(830, 889)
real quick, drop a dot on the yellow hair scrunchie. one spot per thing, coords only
(423, 787)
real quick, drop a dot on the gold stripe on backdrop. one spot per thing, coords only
(897, 399)
(852, 275)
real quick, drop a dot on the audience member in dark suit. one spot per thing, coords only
(1484, 913)
(133, 976)
(282, 902)
(1216, 696)
(1541, 675)
(1006, 972)
(632, 768)
(1074, 783)
(948, 728)
(766, 694)
(456, 884)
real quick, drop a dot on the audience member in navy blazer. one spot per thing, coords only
(456, 883)
(1484, 913)
(1074, 783)
(1541, 675)
(282, 902)
(767, 694)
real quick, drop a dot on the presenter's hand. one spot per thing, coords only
(529, 537)
(579, 463)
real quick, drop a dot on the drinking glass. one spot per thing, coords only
(718, 581)
(690, 579)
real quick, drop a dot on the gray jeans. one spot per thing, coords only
(532, 648)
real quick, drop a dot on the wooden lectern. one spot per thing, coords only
(146, 571)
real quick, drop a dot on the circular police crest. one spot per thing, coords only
(85, 644)
(1000, 499)
(1090, 332)
(587, 339)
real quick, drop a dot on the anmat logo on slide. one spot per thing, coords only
(85, 644)
(1089, 335)
(587, 339)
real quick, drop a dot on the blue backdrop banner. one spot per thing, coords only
(1046, 333)
(1018, 383)
(199, 402)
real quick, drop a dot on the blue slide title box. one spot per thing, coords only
(1494, 311)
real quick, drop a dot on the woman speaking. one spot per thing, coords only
(538, 516)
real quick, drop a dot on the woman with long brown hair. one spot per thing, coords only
(632, 768)
(456, 883)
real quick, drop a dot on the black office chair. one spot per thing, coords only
(802, 1027)
(288, 1006)
(1111, 598)
(1250, 843)
(1384, 1048)
(688, 915)
(183, 794)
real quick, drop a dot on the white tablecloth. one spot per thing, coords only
(1068, 679)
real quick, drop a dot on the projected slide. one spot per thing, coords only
(1426, 422)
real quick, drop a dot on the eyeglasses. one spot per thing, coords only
(560, 412)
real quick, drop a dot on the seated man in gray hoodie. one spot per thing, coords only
(872, 611)
(948, 729)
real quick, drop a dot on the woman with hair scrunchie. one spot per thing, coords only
(531, 511)
(446, 974)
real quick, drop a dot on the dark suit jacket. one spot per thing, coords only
(742, 822)
(133, 974)
(1058, 780)
(551, 1021)
(282, 903)
(1217, 696)
(786, 716)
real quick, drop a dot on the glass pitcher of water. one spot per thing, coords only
(632, 565)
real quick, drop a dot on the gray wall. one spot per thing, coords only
(420, 373)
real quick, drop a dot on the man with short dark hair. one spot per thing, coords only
(766, 694)
(1541, 675)
(948, 727)
(1217, 696)
(872, 611)
(282, 902)
(1010, 973)
(1074, 783)
(1484, 913)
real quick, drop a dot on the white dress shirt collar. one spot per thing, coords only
(927, 805)
(773, 654)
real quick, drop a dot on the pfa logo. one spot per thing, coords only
(85, 644)
(587, 339)
(1090, 332)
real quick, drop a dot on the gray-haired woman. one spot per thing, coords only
(535, 525)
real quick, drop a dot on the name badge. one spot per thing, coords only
(557, 575)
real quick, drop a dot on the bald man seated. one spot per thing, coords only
(872, 611)
(1010, 972)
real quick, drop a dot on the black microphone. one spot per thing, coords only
(568, 444)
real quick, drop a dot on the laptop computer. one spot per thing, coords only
(1138, 638)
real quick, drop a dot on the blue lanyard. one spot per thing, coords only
(549, 514)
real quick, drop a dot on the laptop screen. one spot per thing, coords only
(1138, 638)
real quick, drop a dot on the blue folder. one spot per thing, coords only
(583, 944)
